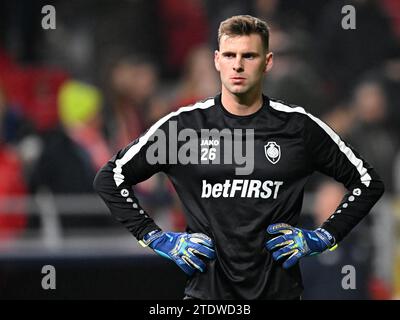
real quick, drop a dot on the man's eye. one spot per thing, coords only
(248, 56)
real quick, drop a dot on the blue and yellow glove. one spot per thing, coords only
(185, 249)
(295, 243)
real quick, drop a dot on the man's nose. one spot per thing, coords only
(238, 66)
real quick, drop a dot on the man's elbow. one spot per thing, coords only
(376, 187)
(100, 180)
(97, 182)
(380, 187)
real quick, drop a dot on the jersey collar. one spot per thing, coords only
(218, 103)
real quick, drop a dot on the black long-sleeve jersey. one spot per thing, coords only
(235, 175)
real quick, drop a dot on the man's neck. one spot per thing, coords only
(241, 105)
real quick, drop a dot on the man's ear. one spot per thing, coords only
(269, 62)
(216, 60)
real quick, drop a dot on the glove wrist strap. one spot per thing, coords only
(150, 237)
(327, 238)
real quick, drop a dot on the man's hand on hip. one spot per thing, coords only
(185, 249)
(295, 243)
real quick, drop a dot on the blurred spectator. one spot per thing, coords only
(267, 10)
(199, 79)
(347, 53)
(292, 78)
(341, 119)
(322, 274)
(185, 26)
(370, 132)
(79, 109)
(42, 86)
(388, 75)
(133, 83)
(72, 152)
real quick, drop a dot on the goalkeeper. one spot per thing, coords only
(241, 240)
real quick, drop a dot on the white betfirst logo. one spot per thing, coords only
(241, 188)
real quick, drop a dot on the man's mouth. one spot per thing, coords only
(237, 80)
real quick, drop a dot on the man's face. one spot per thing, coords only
(242, 62)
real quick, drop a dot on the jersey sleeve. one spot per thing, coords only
(332, 156)
(135, 163)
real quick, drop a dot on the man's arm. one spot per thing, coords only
(114, 184)
(137, 162)
(329, 154)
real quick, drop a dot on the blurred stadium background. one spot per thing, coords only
(73, 96)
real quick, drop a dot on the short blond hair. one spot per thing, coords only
(244, 25)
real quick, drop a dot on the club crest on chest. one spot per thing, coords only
(272, 152)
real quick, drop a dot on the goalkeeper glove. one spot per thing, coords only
(185, 249)
(296, 243)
